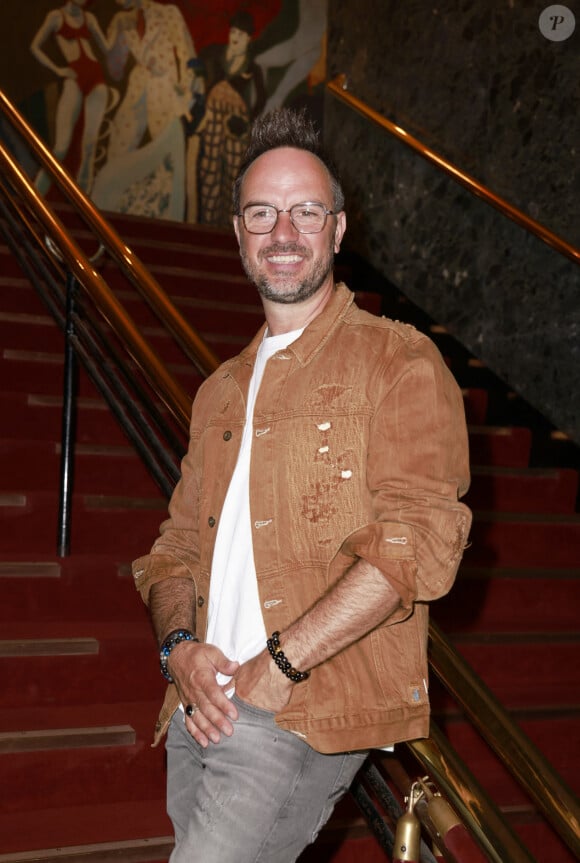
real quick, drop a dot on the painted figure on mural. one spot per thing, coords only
(157, 38)
(299, 53)
(236, 95)
(145, 170)
(84, 89)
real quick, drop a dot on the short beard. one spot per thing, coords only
(288, 291)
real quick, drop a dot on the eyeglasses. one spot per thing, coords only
(308, 217)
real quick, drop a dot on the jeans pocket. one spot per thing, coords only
(246, 707)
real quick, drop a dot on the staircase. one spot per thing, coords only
(81, 686)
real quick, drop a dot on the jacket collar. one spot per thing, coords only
(316, 333)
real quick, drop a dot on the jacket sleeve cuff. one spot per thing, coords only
(153, 568)
(390, 547)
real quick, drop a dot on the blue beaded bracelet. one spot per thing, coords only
(173, 639)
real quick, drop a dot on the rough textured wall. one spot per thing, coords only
(481, 85)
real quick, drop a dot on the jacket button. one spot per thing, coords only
(227, 435)
(200, 601)
(211, 521)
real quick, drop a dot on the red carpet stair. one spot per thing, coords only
(81, 687)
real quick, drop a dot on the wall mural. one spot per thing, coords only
(149, 103)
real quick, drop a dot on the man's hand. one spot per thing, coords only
(193, 667)
(260, 682)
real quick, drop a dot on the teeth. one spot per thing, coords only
(285, 259)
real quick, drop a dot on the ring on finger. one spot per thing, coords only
(190, 709)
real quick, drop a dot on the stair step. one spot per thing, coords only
(66, 591)
(498, 445)
(28, 376)
(38, 416)
(475, 403)
(16, 292)
(146, 229)
(492, 599)
(97, 467)
(558, 740)
(65, 738)
(157, 252)
(140, 715)
(229, 303)
(136, 830)
(345, 839)
(116, 653)
(12, 500)
(124, 771)
(30, 332)
(539, 836)
(29, 569)
(153, 850)
(106, 529)
(539, 683)
(522, 489)
(524, 540)
(543, 668)
(48, 647)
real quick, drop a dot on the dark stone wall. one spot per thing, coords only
(481, 85)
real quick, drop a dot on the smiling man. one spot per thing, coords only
(317, 514)
(287, 245)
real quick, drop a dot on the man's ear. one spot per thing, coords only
(339, 230)
(237, 229)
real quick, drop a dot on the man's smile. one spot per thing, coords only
(284, 255)
(284, 259)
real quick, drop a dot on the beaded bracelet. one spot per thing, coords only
(173, 639)
(283, 664)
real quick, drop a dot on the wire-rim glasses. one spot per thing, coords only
(308, 217)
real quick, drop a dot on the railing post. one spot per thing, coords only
(68, 426)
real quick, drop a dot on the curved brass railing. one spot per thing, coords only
(338, 87)
(170, 391)
(516, 751)
(189, 340)
(477, 811)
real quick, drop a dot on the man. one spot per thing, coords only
(316, 514)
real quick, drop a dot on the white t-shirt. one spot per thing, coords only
(235, 620)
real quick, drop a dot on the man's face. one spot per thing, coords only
(286, 266)
(239, 40)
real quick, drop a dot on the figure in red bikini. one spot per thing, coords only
(84, 91)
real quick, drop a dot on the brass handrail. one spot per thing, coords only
(189, 340)
(338, 87)
(471, 802)
(169, 390)
(524, 761)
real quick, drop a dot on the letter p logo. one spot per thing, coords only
(556, 23)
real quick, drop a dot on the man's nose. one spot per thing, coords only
(284, 230)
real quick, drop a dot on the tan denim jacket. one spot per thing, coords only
(359, 450)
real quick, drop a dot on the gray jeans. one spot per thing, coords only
(259, 796)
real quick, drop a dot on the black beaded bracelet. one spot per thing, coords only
(283, 664)
(173, 639)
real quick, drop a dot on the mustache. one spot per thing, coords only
(292, 248)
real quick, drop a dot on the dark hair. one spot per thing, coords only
(285, 127)
(242, 20)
